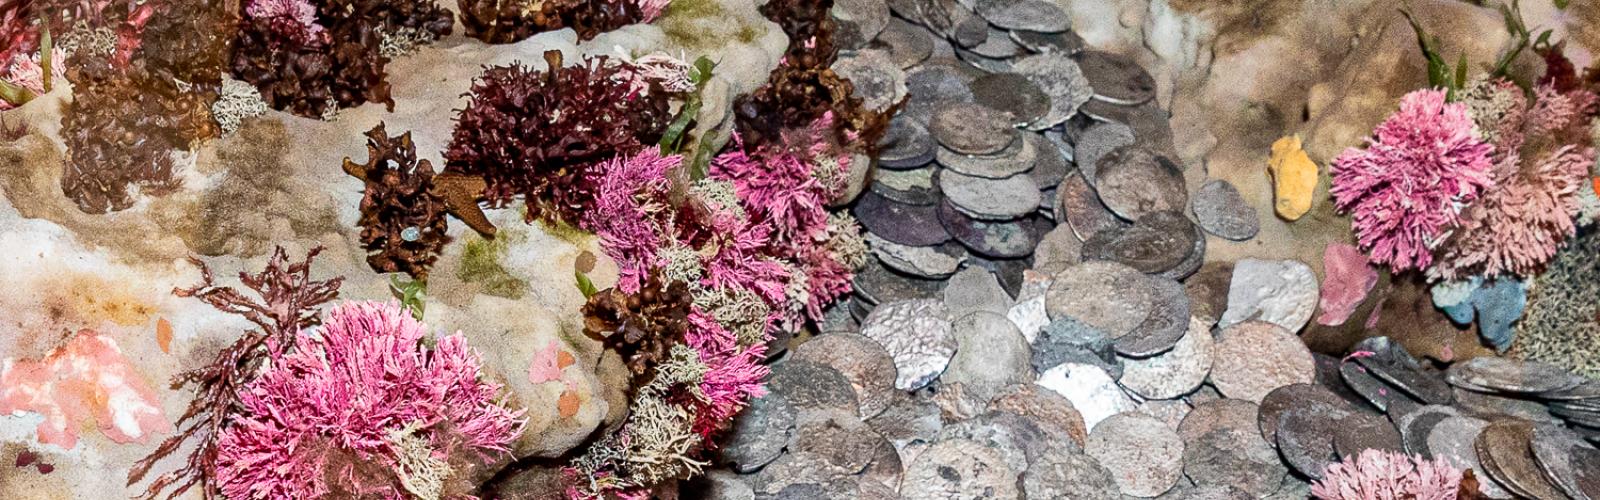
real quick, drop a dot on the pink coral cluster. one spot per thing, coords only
(357, 406)
(28, 72)
(1406, 189)
(295, 19)
(630, 198)
(652, 9)
(1387, 475)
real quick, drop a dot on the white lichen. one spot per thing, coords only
(237, 101)
(738, 309)
(717, 194)
(846, 242)
(420, 473)
(404, 41)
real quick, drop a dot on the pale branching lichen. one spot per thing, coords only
(738, 309)
(98, 42)
(681, 263)
(404, 40)
(846, 241)
(421, 473)
(718, 194)
(238, 101)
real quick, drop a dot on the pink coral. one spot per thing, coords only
(1407, 187)
(670, 72)
(1386, 475)
(652, 9)
(1554, 111)
(296, 19)
(629, 195)
(776, 187)
(88, 379)
(1518, 226)
(733, 375)
(335, 416)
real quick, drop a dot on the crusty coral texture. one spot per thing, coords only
(403, 220)
(508, 21)
(121, 131)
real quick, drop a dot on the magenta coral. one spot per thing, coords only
(1518, 226)
(652, 9)
(1555, 111)
(295, 19)
(1406, 188)
(1386, 475)
(629, 195)
(336, 415)
(733, 374)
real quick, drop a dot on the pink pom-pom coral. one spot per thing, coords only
(1518, 226)
(1407, 187)
(630, 195)
(296, 19)
(363, 408)
(1386, 475)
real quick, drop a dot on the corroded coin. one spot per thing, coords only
(1220, 210)
(1057, 250)
(1383, 396)
(885, 468)
(1059, 77)
(1145, 457)
(906, 43)
(1051, 165)
(1092, 392)
(1504, 447)
(1393, 364)
(1218, 414)
(936, 262)
(1095, 142)
(862, 361)
(1197, 253)
(1068, 475)
(1487, 406)
(983, 63)
(876, 284)
(1014, 159)
(1208, 290)
(1065, 42)
(1117, 79)
(971, 128)
(1234, 457)
(1510, 375)
(970, 32)
(991, 354)
(997, 44)
(1417, 425)
(1134, 181)
(917, 334)
(1080, 207)
(907, 144)
(910, 187)
(1031, 15)
(1012, 93)
(1176, 372)
(1021, 441)
(901, 223)
(1293, 396)
(1167, 323)
(1255, 357)
(908, 419)
(1106, 295)
(812, 387)
(959, 469)
(1365, 431)
(1001, 240)
(1158, 242)
(840, 438)
(858, 21)
(1562, 455)
(990, 199)
(934, 86)
(1067, 340)
(874, 78)
(793, 469)
(1452, 439)
(759, 433)
(1051, 411)
(1305, 439)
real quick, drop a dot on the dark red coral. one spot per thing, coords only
(344, 68)
(641, 327)
(391, 15)
(402, 219)
(509, 21)
(190, 40)
(533, 133)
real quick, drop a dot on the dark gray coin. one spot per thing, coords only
(990, 199)
(1487, 406)
(1117, 79)
(1134, 181)
(812, 387)
(795, 469)
(1166, 324)
(937, 262)
(1059, 77)
(1234, 457)
(1157, 243)
(1012, 93)
(1416, 426)
(859, 308)
(973, 129)
(942, 16)
(1065, 42)
(1586, 471)
(1504, 448)
(1067, 340)
(1364, 431)
(1453, 439)
(759, 433)
(1305, 439)
(1081, 208)
(1010, 271)
(1293, 396)
(1016, 158)
(840, 438)
(1068, 475)
(1021, 441)
(933, 86)
(1561, 454)
(1001, 240)
(907, 44)
(997, 44)
(1391, 363)
(1208, 290)
(908, 420)
(1110, 296)
(906, 144)
(1051, 165)
(886, 467)
(901, 223)
(876, 284)
(1220, 210)
(858, 22)
(972, 32)
(910, 187)
(1510, 375)
(1377, 392)
(1096, 141)
(1102, 111)
(1031, 15)
(1588, 390)
(982, 63)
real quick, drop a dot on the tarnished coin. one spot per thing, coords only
(885, 468)
(1220, 492)
(876, 284)
(983, 63)
(874, 77)
(901, 223)
(1168, 411)
(759, 433)
(1393, 364)
(858, 21)
(1282, 292)
(959, 469)
(971, 128)
(1021, 441)
(1417, 425)
(794, 469)
(1092, 392)
(997, 44)
(1588, 390)
(1208, 290)
(908, 419)
(1095, 142)
(1487, 406)
(1452, 439)
(910, 187)
(933, 86)
(1106, 295)
(1176, 372)
(1380, 394)
(1059, 77)
(1158, 242)
(1144, 456)
(812, 387)
(1562, 456)
(1510, 375)
(917, 334)
(1014, 159)
(1030, 15)
(1167, 323)
(1585, 472)
(1069, 475)
(907, 144)
(971, 32)
(1365, 431)
(1012, 93)
(1504, 447)
(991, 354)
(1305, 439)
(1001, 240)
(862, 361)
(1051, 164)
(1196, 257)
(840, 438)
(1080, 207)
(1222, 211)
(907, 44)
(1134, 181)
(990, 199)
(1255, 357)
(936, 262)
(1293, 396)
(1234, 457)
(1067, 340)
(1057, 250)
(1117, 79)
(1218, 414)
(1066, 42)
(1051, 411)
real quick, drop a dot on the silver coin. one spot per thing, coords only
(959, 469)
(1173, 373)
(1167, 323)
(936, 262)
(906, 145)
(1221, 211)
(1079, 205)
(911, 187)
(917, 334)
(858, 21)
(1305, 439)
(1234, 457)
(1051, 166)
(1561, 455)
(1106, 295)
(1509, 375)
(1065, 42)
(1145, 457)
(899, 222)
(839, 438)
(1060, 78)
(1255, 357)
(875, 284)
(907, 44)
(934, 86)
(1134, 181)
(1417, 425)
(1069, 475)
(1155, 244)
(1016, 158)
(874, 77)
(983, 63)
(1030, 15)
(1095, 142)
(812, 387)
(1012, 93)
(759, 433)
(997, 44)
(1117, 79)
(1452, 439)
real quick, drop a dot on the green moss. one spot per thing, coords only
(698, 24)
(693, 8)
(480, 263)
(747, 33)
(567, 232)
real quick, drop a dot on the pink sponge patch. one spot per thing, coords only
(86, 379)
(1347, 281)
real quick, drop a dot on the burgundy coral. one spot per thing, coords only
(402, 218)
(364, 409)
(1406, 188)
(508, 21)
(1383, 475)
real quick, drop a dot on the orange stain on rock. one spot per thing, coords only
(164, 335)
(84, 301)
(567, 404)
(564, 359)
(88, 379)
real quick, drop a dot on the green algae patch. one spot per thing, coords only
(480, 264)
(567, 233)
